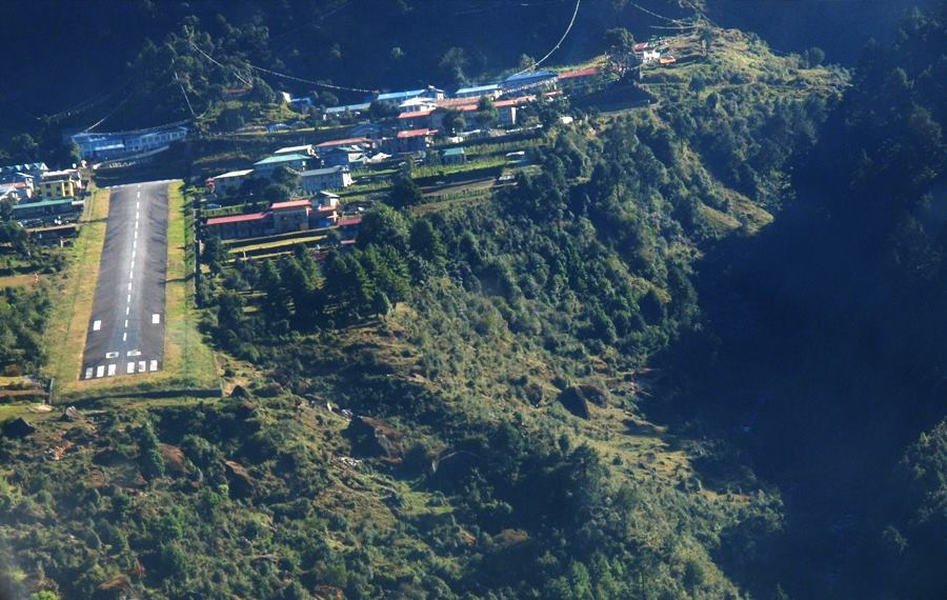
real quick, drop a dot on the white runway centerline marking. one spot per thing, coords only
(129, 299)
(126, 323)
(125, 337)
(129, 286)
(96, 325)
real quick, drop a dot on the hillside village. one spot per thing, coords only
(454, 145)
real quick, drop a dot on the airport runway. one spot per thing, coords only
(126, 333)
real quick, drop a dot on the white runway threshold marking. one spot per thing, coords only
(155, 319)
(96, 325)
(88, 373)
(100, 370)
(130, 368)
(141, 366)
(154, 365)
(111, 370)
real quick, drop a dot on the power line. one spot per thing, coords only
(211, 58)
(556, 47)
(186, 99)
(311, 82)
(106, 117)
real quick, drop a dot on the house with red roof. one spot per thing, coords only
(238, 226)
(411, 140)
(416, 119)
(292, 215)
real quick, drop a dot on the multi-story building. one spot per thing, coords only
(331, 178)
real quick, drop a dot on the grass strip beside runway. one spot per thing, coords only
(185, 352)
(73, 295)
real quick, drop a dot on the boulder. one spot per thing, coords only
(174, 460)
(17, 428)
(118, 587)
(239, 392)
(594, 394)
(374, 437)
(574, 401)
(239, 479)
(534, 393)
(71, 415)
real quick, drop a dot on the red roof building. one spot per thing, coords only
(579, 73)
(290, 204)
(258, 216)
(415, 114)
(239, 226)
(413, 133)
(416, 119)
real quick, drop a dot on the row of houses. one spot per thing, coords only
(301, 214)
(514, 86)
(38, 193)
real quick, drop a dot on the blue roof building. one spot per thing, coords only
(11, 172)
(265, 167)
(398, 97)
(490, 89)
(530, 79)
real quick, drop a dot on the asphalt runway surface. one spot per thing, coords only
(126, 332)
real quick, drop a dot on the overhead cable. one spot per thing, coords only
(556, 47)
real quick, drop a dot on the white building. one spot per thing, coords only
(332, 178)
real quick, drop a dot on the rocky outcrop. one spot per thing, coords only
(239, 479)
(576, 398)
(174, 461)
(17, 428)
(574, 402)
(374, 437)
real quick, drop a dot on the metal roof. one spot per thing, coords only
(281, 158)
(241, 173)
(344, 142)
(236, 219)
(489, 87)
(318, 172)
(44, 203)
(529, 76)
(294, 149)
(415, 133)
(290, 204)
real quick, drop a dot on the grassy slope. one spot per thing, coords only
(355, 506)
